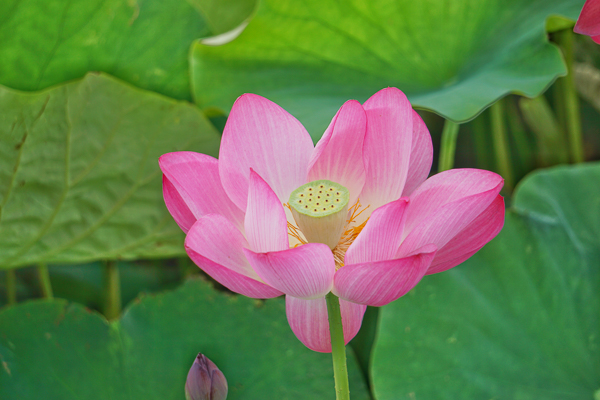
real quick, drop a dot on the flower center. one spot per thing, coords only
(320, 209)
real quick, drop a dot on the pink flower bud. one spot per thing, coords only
(205, 381)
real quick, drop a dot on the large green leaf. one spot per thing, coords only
(53, 350)
(520, 319)
(79, 176)
(144, 42)
(451, 57)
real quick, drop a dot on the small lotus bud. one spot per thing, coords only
(205, 381)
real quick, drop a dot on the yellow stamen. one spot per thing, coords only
(294, 231)
(353, 211)
(349, 235)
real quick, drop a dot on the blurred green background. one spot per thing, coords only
(93, 92)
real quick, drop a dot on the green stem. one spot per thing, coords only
(570, 100)
(520, 136)
(499, 136)
(338, 348)
(558, 103)
(480, 128)
(551, 142)
(448, 146)
(11, 286)
(44, 277)
(112, 290)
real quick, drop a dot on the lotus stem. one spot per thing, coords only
(11, 286)
(448, 146)
(501, 150)
(112, 290)
(552, 145)
(520, 136)
(570, 100)
(338, 348)
(44, 278)
(480, 128)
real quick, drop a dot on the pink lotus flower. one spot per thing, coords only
(248, 228)
(588, 22)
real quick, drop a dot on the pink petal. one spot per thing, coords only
(233, 281)
(387, 147)
(596, 39)
(216, 246)
(338, 156)
(381, 236)
(421, 156)
(265, 223)
(471, 239)
(588, 22)
(305, 272)
(195, 176)
(177, 207)
(445, 204)
(309, 321)
(379, 283)
(263, 136)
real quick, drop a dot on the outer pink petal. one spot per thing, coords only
(387, 147)
(449, 187)
(338, 156)
(309, 321)
(233, 281)
(588, 22)
(471, 239)
(195, 176)
(263, 136)
(421, 156)
(596, 39)
(379, 283)
(446, 222)
(216, 246)
(177, 207)
(305, 272)
(265, 223)
(381, 236)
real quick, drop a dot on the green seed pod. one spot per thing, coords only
(320, 209)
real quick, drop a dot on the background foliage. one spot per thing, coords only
(143, 42)
(93, 92)
(311, 59)
(519, 319)
(79, 174)
(147, 353)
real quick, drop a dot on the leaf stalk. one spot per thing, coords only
(448, 146)
(44, 278)
(112, 290)
(500, 139)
